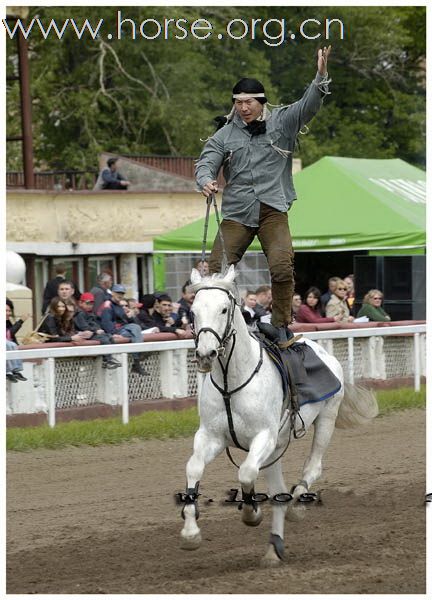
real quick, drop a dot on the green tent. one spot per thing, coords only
(343, 204)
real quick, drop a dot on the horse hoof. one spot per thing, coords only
(295, 513)
(191, 542)
(271, 560)
(252, 519)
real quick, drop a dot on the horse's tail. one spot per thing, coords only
(359, 405)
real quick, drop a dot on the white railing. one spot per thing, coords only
(67, 377)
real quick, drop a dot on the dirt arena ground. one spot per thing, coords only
(103, 520)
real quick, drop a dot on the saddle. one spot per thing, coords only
(305, 378)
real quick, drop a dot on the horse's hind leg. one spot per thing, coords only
(276, 488)
(206, 448)
(324, 425)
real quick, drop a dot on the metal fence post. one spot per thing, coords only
(50, 387)
(417, 362)
(124, 388)
(351, 360)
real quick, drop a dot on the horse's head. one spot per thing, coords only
(213, 314)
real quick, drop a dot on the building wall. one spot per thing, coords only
(93, 217)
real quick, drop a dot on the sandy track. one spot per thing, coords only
(103, 520)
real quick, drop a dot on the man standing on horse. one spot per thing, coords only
(254, 146)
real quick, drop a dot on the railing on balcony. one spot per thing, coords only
(55, 180)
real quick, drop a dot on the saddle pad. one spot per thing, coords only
(312, 378)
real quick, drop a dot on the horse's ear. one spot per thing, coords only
(230, 274)
(195, 276)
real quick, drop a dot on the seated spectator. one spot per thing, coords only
(296, 303)
(337, 305)
(145, 314)
(115, 322)
(162, 318)
(134, 306)
(101, 292)
(14, 367)
(185, 304)
(51, 288)
(372, 307)
(112, 179)
(264, 298)
(12, 328)
(332, 284)
(310, 310)
(203, 267)
(350, 297)
(85, 320)
(250, 311)
(59, 325)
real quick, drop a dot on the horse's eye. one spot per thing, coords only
(225, 310)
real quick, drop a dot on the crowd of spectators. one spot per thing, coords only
(335, 305)
(104, 314)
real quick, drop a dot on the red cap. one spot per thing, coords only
(86, 297)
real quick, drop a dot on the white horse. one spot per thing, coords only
(241, 375)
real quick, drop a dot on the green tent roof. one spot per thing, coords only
(343, 204)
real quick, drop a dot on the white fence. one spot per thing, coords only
(69, 377)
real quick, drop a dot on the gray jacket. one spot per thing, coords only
(259, 168)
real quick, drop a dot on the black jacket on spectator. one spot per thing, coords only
(145, 319)
(157, 321)
(86, 321)
(51, 326)
(184, 310)
(13, 329)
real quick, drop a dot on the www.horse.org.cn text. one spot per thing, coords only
(272, 32)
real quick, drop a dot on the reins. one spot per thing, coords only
(211, 199)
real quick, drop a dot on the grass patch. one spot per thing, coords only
(400, 399)
(157, 425)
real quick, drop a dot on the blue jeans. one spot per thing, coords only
(132, 331)
(13, 365)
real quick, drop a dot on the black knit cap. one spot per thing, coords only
(250, 86)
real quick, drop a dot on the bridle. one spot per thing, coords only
(223, 340)
(229, 331)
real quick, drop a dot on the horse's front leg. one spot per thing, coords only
(206, 448)
(260, 449)
(278, 491)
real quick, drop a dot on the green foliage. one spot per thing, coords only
(159, 425)
(135, 96)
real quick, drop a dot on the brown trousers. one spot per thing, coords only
(275, 238)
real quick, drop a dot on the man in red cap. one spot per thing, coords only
(86, 320)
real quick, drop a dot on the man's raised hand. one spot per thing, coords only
(323, 54)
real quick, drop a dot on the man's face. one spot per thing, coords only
(118, 297)
(86, 305)
(65, 291)
(296, 301)
(249, 110)
(107, 284)
(165, 308)
(188, 296)
(113, 167)
(251, 300)
(264, 298)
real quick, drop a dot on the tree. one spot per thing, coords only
(138, 96)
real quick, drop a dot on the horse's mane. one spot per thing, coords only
(217, 281)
